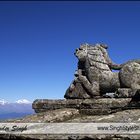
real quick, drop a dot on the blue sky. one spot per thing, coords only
(38, 39)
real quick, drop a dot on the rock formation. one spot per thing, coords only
(88, 97)
(88, 106)
(94, 79)
(94, 76)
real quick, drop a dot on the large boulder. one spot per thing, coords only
(87, 106)
(94, 76)
(130, 75)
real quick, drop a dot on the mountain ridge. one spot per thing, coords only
(19, 108)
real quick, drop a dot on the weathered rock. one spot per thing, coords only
(95, 74)
(127, 116)
(69, 137)
(96, 111)
(88, 106)
(77, 93)
(85, 98)
(130, 75)
(59, 115)
(127, 93)
(42, 105)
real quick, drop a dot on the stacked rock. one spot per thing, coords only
(94, 81)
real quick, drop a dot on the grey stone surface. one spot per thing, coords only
(58, 115)
(130, 75)
(72, 137)
(45, 104)
(94, 76)
(86, 98)
(69, 137)
(88, 106)
(127, 93)
(73, 116)
(78, 91)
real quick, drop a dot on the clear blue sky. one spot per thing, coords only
(38, 39)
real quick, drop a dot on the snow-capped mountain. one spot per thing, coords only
(3, 102)
(23, 101)
(16, 109)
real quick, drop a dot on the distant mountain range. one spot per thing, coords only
(17, 109)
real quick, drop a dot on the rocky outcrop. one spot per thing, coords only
(88, 97)
(73, 116)
(88, 106)
(94, 76)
